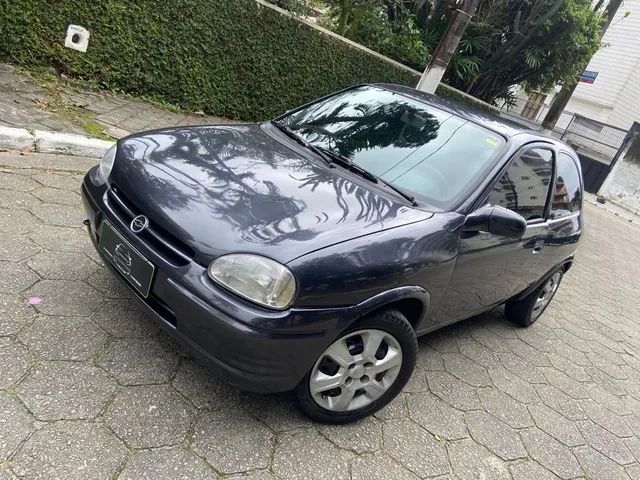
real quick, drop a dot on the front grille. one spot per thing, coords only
(164, 243)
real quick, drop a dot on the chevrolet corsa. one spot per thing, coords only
(308, 253)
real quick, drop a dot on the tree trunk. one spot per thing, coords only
(345, 10)
(447, 46)
(559, 102)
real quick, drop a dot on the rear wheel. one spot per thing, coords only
(527, 310)
(361, 371)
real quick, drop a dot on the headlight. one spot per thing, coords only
(255, 278)
(106, 164)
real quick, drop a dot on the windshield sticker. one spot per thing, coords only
(493, 141)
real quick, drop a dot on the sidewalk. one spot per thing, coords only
(63, 108)
(612, 207)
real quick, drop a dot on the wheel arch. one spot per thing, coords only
(565, 265)
(412, 301)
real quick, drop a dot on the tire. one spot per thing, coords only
(527, 311)
(370, 388)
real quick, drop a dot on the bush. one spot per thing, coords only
(400, 39)
(235, 59)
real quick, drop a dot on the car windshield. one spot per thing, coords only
(416, 147)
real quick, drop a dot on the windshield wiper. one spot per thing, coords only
(349, 164)
(318, 151)
(329, 156)
(400, 192)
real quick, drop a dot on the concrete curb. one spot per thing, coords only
(614, 207)
(52, 142)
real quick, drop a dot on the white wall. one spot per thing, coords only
(626, 109)
(623, 183)
(587, 108)
(613, 97)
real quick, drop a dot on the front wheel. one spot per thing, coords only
(526, 311)
(361, 371)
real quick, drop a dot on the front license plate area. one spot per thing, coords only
(131, 264)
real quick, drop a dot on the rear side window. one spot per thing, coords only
(524, 187)
(567, 194)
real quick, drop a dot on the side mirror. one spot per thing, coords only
(497, 220)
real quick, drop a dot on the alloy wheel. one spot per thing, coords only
(546, 294)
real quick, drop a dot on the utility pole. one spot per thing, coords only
(559, 102)
(447, 46)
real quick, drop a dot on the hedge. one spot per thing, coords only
(231, 58)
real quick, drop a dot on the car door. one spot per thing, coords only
(491, 268)
(565, 213)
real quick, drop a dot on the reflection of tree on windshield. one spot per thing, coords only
(349, 127)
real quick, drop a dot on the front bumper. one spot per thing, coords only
(252, 348)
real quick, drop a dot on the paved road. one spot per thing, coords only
(89, 388)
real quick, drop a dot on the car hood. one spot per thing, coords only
(223, 189)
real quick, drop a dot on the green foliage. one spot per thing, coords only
(236, 59)
(400, 40)
(538, 43)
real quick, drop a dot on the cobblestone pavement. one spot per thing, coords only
(89, 388)
(22, 100)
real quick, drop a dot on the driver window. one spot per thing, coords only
(524, 187)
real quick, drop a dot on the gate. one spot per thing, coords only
(598, 145)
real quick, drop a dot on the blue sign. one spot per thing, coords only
(588, 77)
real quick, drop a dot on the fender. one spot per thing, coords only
(393, 295)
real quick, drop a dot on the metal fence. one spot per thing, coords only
(563, 123)
(596, 143)
(594, 139)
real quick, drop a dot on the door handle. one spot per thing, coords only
(537, 246)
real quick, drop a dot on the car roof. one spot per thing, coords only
(492, 121)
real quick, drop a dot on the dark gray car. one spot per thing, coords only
(308, 253)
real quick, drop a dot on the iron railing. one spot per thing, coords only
(598, 140)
